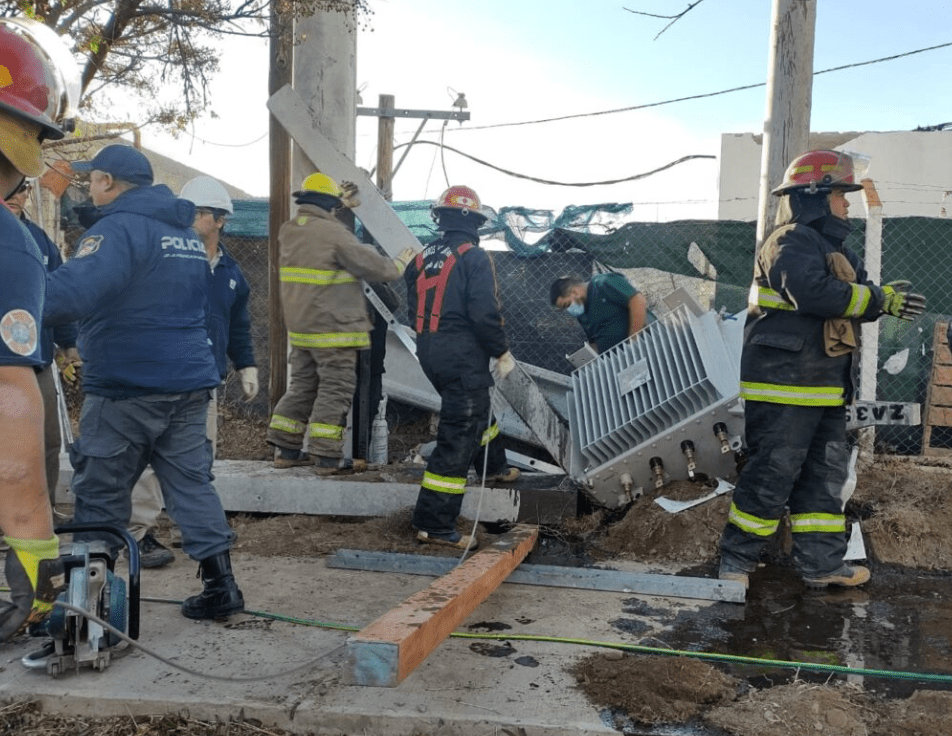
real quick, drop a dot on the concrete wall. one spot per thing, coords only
(912, 171)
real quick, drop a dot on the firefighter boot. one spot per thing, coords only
(221, 596)
(285, 457)
(506, 475)
(848, 576)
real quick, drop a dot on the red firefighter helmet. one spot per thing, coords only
(821, 172)
(39, 79)
(39, 83)
(459, 198)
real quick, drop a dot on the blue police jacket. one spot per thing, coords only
(229, 324)
(22, 283)
(138, 283)
(63, 335)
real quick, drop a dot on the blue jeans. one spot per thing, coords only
(120, 437)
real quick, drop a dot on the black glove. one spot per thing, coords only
(36, 577)
(902, 303)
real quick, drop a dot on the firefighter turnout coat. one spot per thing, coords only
(453, 305)
(807, 286)
(322, 264)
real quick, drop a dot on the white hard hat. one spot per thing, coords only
(204, 191)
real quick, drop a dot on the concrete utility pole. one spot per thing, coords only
(325, 76)
(789, 98)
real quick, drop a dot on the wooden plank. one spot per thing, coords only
(384, 652)
(942, 375)
(940, 416)
(553, 576)
(941, 396)
(940, 333)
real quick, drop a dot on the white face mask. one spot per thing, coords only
(575, 309)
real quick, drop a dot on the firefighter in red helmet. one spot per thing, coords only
(453, 305)
(809, 296)
(37, 84)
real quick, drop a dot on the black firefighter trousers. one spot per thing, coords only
(798, 459)
(464, 418)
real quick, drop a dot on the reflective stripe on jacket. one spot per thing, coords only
(321, 267)
(794, 292)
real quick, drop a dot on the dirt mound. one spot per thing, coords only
(648, 533)
(652, 690)
(797, 708)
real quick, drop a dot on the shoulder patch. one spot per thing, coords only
(18, 331)
(88, 246)
(302, 220)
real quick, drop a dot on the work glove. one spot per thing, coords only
(249, 382)
(406, 255)
(69, 363)
(505, 364)
(349, 197)
(902, 303)
(36, 577)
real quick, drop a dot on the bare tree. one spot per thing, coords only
(161, 52)
(673, 18)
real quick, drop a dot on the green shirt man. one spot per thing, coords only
(608, 307)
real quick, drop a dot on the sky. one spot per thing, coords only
(535, 59)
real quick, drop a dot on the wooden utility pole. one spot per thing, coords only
(385, 147)
(789, 98)
(281, 51)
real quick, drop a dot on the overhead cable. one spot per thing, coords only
(633, 177)
(693, 97)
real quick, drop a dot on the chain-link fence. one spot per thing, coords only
(711, 260)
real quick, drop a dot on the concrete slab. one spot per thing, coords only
(257, 487)
(464, 687)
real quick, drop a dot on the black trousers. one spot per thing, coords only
(799, 459)
(464, 417)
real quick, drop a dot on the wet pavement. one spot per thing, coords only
(900, 622)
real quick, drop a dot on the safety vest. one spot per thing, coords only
(437, 285)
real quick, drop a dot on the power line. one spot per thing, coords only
(633, 177)
(694, 97)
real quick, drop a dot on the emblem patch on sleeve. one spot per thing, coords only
(88, 246)
(18, 331)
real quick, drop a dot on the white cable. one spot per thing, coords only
(482, 485)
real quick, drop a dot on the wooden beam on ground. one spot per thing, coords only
(383, 653)
(554, 576)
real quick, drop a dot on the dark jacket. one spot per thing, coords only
(138, 284)
(63, 335)
(795, 292)
(229, 325)
(21, 294)
(455, 341)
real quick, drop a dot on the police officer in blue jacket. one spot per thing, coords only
(229, 331)
(138, 284)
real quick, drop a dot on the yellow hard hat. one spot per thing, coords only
(320, 184)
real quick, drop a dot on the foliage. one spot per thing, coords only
(163, 53)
